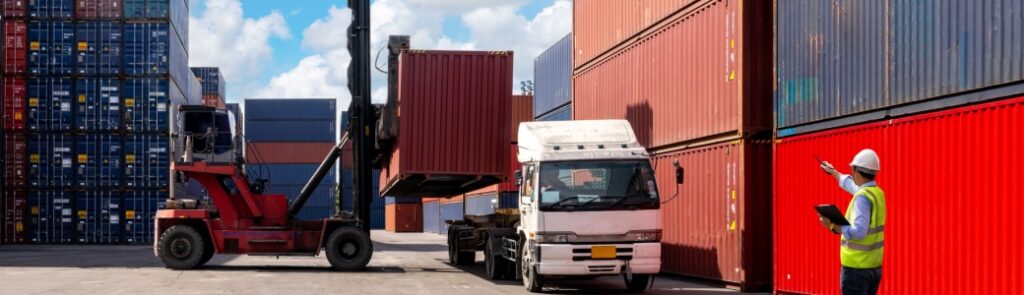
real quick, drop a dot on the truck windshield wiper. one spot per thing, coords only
(623, 200)
(559, 203)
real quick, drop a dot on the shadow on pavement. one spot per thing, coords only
(405, 247)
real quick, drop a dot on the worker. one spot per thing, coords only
(860, 242)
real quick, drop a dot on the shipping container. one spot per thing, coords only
(51, 217)
(522, 111)
(485, 203)
(15, 160)
(175, 12)
(403, 217)
(216, 101)
(99, 159)
(432, 216)
(450, 135)
(51, 47)
(147, 161)
(717, 223)
(98, 103)
(194, 90)
(952, 170)
(149, 104)
(14, 8)
(98, 217)
(321, 203)
(287, 152)
(139, 211)
(402, 200)
(51, 9)
(345, 185)
(599, 26)
(860, 58)
(562, 113)
(552, 75)
(152, 49)
(212, 81)
(49, 104)
(450, 211)
(293, 174)
(99, 9)
(98, 48)
(51, 160)
(290, 109)
(15, 213)
(290, 130)
(718, 85)
(15, 46)
(14, 103)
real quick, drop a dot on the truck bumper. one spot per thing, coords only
(569, 259)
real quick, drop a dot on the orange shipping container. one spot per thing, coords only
(403, 218)
(522, 111)
(600, 25)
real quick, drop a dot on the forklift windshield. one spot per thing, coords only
(210, 130)
(597, 185)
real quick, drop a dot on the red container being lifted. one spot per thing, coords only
(453, 112)
(717, 223)
(14, 103)
(15, 47)
(600, 25)
(98, 9)
(706, 74)
(952, 196)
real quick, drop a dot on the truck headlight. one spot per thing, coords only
(644, 236)
(555, 237)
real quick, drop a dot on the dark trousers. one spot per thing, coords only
(860, 281)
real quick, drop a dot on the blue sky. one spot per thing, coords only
(279, 49)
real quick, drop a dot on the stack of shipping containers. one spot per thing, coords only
(286, 140)
(89, 92)
(693, 77)
(552, 71)
(213, 84)
(937, 89)
(346, 185)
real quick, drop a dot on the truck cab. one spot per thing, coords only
(589, 203)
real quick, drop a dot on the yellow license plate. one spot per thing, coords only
(602, 252)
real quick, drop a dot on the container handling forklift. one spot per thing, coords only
(244, 220)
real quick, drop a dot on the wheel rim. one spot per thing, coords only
(181, 248)
(525, 268)
(348, 250)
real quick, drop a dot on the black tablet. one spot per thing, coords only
(832, 213)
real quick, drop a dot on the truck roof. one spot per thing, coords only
(578, 140)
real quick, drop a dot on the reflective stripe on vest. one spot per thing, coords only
(866, 253)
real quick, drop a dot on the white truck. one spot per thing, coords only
(588, 207)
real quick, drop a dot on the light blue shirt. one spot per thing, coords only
(861, 209)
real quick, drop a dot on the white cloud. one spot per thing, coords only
(223, 37)
(503, 28)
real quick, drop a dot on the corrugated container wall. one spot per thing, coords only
(717, 85)
(458, 131)
(15, 47)
(960, 163)
(212, 81)
(552, 75)
(841, 58)
(522, 111)
(14, 8)
(563, 113)
(290, 109)
(717, 223)
(432, 216)
(99, 9)
(403, 218)
(287, 152)
(290, 120)
(600, 25)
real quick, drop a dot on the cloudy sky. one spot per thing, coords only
(295, 49)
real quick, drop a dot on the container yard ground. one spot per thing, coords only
(412, 263)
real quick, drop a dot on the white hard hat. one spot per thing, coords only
(867, 159)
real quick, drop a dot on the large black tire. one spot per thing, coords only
(181, 247)
(208, 252)
(639, 283)
(349, 249)
(533, 281)
(455, 254)
(496, 265)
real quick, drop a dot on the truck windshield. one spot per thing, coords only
(597, 185)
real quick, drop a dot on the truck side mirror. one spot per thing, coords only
(679, 172)
(519, 178)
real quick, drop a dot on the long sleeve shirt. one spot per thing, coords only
(858, 227)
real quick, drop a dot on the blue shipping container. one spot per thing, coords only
(153, 49)
(450, 211)
(51, 159)
(174, 11)
(320, 204)
(292, 174)
(563, 113)
(552, 72)
(377, 213)
(99, 161)
(402, 200)
(289, 131)
(51, 47)
(98, 103)
(139, 210)
(212, 81)
(147, 161)
(49, 104)
(99, 48)
(482, 204)
(42, 9)
(432, 217)
(51, 220)
(291, 109)
(148, 103)
(98, 217)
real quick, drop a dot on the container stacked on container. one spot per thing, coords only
(694, 80)
(89, 92)
(552, 73)
(214, 87)
(936, 89)
(286, 140)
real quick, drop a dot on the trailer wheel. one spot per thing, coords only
(497, 266)
(455, 254)
(181, 247)
(639, 283)
(349, 249)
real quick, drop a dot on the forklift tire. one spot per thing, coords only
(208, 252)
(349, 249)
(181, 247)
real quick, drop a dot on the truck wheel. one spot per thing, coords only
(455, 254)
(497, 266)
(181, 247)
(639, 283)
(349, 249)
(533, 281)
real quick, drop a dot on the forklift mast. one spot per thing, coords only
(362, 115)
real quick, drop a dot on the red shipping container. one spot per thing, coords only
(522, 111)
(14, 103)
(717, 223)
(15, 163)
(14, 8)
(706, 74)
(13, 216)
(287, 152)
(453, 113)
(214, 101)
(952, 202)
(600, 25)
(403, 218)
(98, 9)
(15, 47)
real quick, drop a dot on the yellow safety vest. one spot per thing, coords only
(866, 253)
